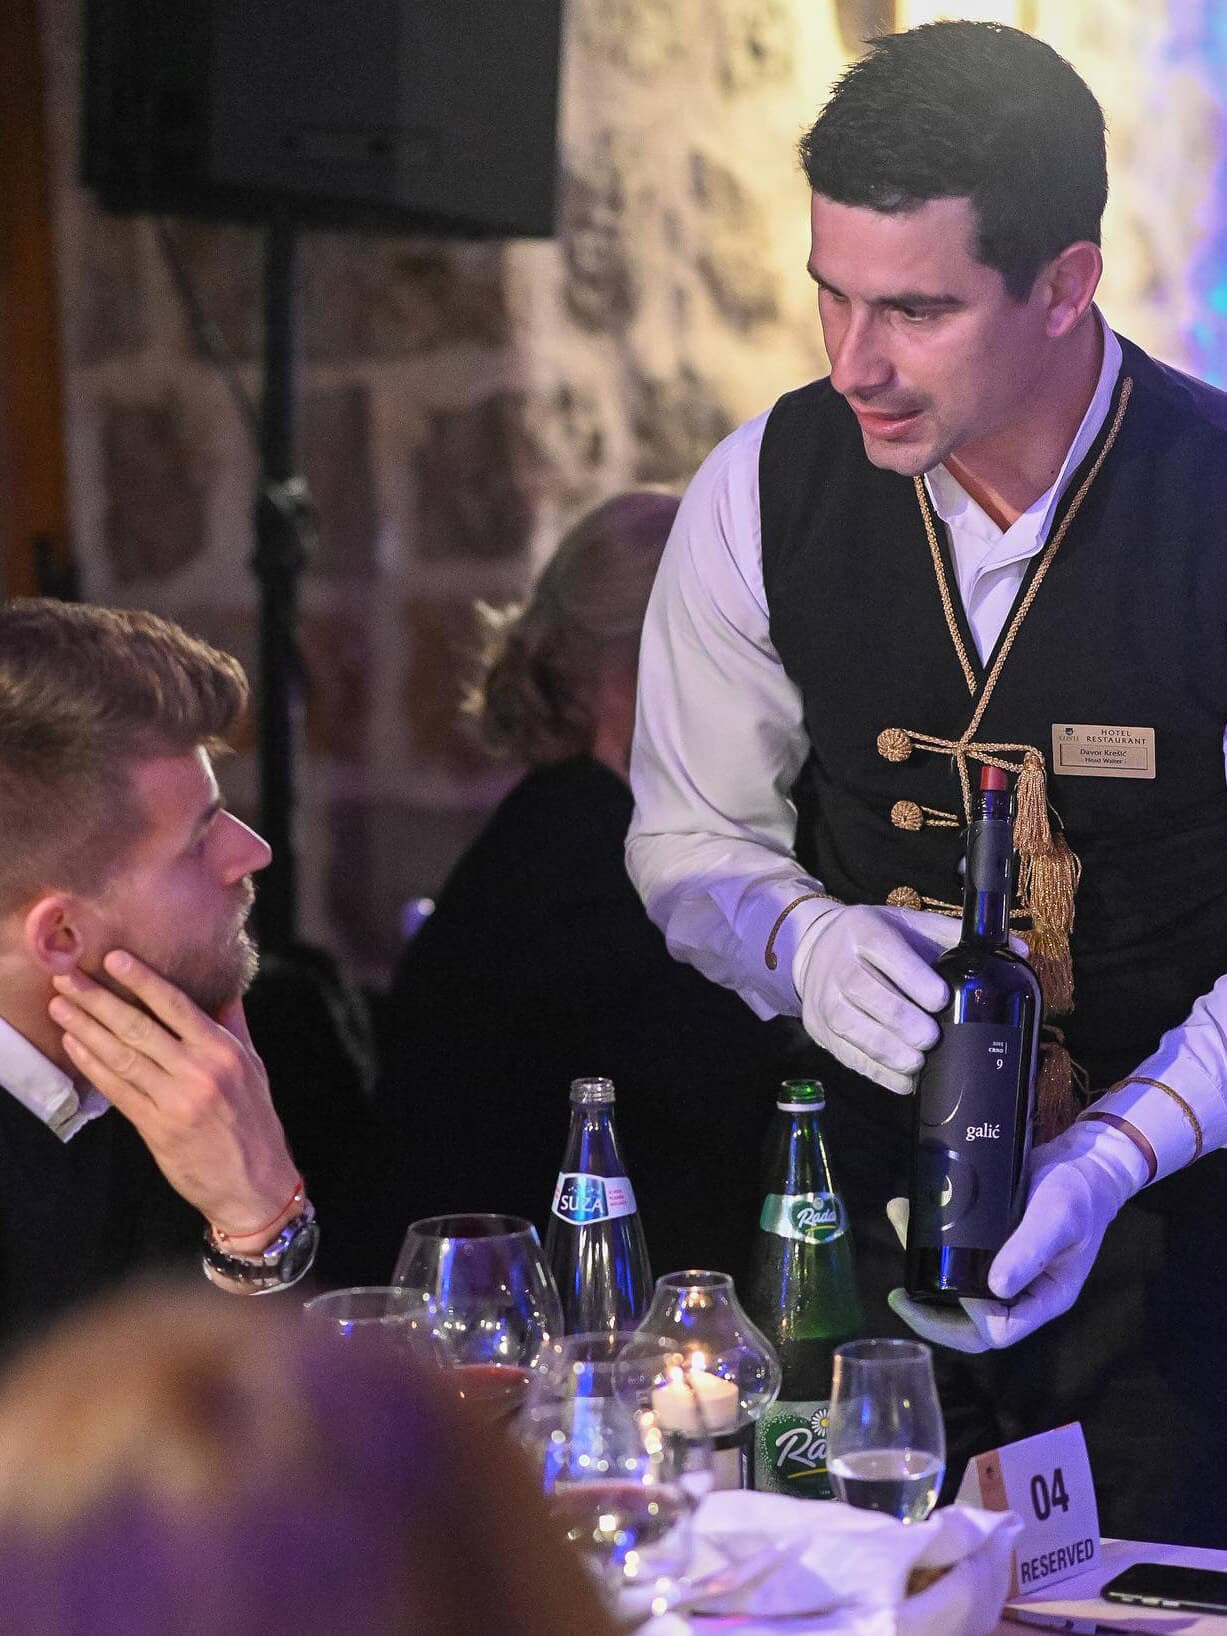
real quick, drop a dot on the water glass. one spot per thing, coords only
(886, 1445)
(623, 1487)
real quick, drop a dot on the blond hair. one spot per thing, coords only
(178, 1460)
(86, 692)
(536, 697)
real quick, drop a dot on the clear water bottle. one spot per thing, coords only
(594, 1243)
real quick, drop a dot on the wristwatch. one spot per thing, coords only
(278, 1265)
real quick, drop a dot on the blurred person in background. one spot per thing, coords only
(125, 889)
(168, 1462)
(539, 963)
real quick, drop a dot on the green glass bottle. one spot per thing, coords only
(802, 1293)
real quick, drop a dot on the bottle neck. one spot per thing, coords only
(989, 879)
(798, 1160)
(591, 1143)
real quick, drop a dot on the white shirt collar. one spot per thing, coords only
(44, 1089)
(1028, 533)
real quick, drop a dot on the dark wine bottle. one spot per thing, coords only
(975, 1100)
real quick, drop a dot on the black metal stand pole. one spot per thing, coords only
(281, 520)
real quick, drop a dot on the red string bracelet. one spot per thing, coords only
(298, 1196)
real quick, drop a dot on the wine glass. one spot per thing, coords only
(886, 1446)
(571, 1367)
(623, 1486)
(494, 1302)
(382, 1315)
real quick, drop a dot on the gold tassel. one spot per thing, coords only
(1048, 875)
(1055, 972)
(1046, 888)
(1062, 1088)
(1032, 831)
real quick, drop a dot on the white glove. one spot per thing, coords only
(1078, 1183)
(867, 986)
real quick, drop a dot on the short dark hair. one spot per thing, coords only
(86, 692)
(976, 111)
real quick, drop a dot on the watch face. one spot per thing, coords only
(299, 1253)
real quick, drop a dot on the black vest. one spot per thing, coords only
(1129, 628)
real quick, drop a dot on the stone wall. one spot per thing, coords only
(462, 405)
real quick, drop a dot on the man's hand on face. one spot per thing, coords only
(193, 1087)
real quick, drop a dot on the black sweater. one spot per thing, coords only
(77, 1216)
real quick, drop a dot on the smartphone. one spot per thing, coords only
(1167, 1585)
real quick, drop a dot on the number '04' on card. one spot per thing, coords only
(1046, 1480)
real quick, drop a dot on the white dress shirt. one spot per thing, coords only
(44, 1089)
(720, 740)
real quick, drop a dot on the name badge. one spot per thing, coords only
(1080, 750)
(1046, 1480)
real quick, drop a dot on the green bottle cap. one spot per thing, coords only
(797, 1094)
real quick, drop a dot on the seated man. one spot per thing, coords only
(125, 887)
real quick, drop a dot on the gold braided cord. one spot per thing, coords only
(1050, 552)
(770, 958)
(939, 818)
(1024, 607)
(1199, 1135)
(941, 907)
(943, 587)
(960, 750)
(964, 746)
(1048, 871)
(1129, 1129)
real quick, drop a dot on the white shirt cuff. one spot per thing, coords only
(1182, 1120)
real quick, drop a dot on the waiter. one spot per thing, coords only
(994, 528)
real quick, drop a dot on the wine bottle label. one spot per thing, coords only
(790, 1450)
(814, 1218)
(582, 1199)
(967, 1169)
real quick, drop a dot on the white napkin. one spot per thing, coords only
(850, 1569)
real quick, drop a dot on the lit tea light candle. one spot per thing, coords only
(696, 1402)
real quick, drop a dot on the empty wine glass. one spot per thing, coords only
(623, 1486)
(886, 1446)
(379, 1315)
(495, 1304)
(572, 1367)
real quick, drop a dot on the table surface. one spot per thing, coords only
(1074, 1606)
(1078, 1601)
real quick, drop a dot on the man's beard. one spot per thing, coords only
(212, 975)
(213, 980)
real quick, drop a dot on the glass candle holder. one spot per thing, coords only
(717, 1373)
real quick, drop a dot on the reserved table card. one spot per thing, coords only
(1046, 1480)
